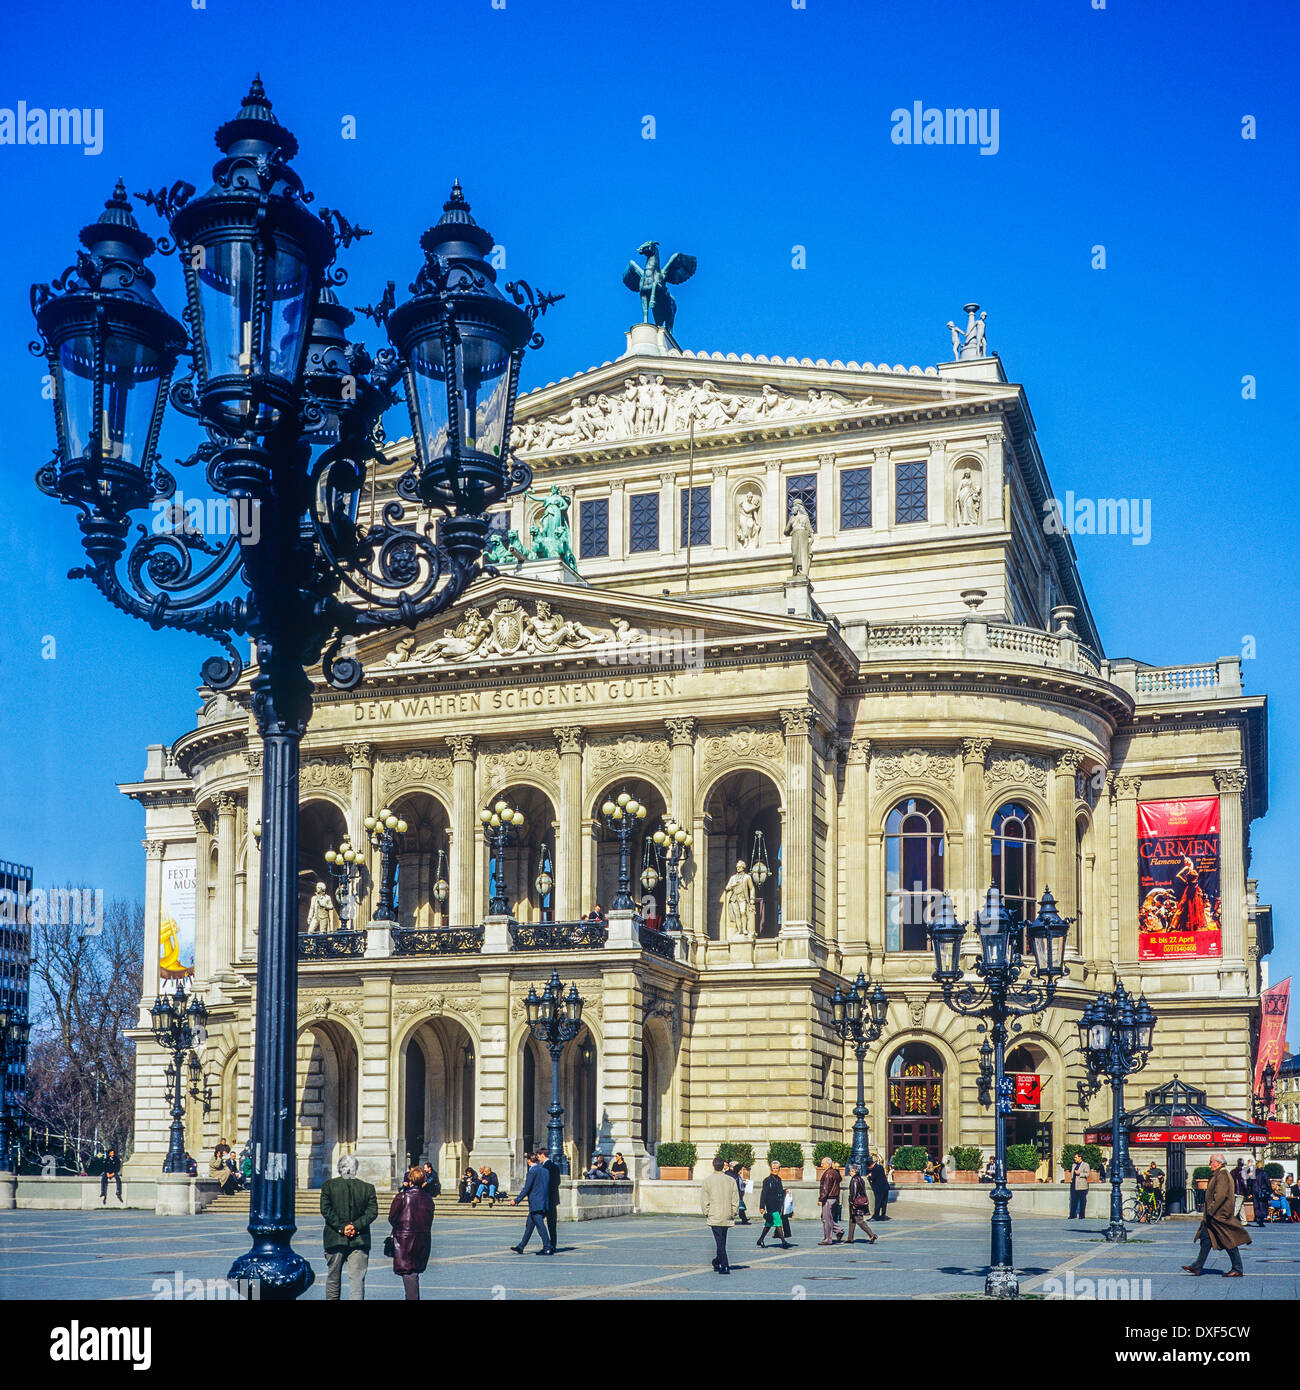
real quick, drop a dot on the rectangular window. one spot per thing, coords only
(643, 522)
(593, 528)
(910, 492)
(498, 524)
(855, 499)
(802, 487)
(695, 516)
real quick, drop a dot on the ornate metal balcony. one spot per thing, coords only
(437, 941)
(657, 943)
(332, 945)
(558, 936)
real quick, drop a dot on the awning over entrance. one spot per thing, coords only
(1177, 1113)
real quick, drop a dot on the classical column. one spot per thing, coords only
(568, 840)
(464, 830)
(1126, 849)
(1063, 885)
(936, 483)
(882, 491)
(221, 949)
(252, 879)
(681, 806)
(829, 918)
(205, 950)
(773, 504)
(153, 881)
(857, 898)
(1232, 864)
(797, 845)
(993, 479)
(828, 510)
(361, 756)
(669, 530)
(975, 873)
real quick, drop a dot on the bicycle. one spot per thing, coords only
(1147, 1207)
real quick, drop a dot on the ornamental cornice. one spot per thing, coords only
(1017, 769)
(324, 774)
(395, 771)
(336, 1004)
(915, 764)
(434, 1004)
(742, 743)
(626, 753)
(523, 757)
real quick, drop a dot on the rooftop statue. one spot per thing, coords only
(651, 282)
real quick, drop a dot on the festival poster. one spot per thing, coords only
(176, 920)
(1178, 879)
(1272, 1037)
(1028, 1090)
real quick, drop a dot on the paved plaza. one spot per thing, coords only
(122, 1255)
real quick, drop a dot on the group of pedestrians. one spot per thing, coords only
(541, 1193)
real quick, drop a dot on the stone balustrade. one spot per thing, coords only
(1206, 680)
(976, 638)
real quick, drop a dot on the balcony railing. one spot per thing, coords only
(331, 945)
(437, 941)
(558, 936)
(657, 943)
(977, 639)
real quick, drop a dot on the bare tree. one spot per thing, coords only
(85, 993)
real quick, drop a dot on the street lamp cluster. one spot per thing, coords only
(1115, 1037)
(178, 1020)
(624, 818)
(674, 843)
(555, 1018)
(291, 411)
(502, 825)
(385, 832)
(859, 1016)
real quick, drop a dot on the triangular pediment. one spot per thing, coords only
(518, 621)
(644, 397)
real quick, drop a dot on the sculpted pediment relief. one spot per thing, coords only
(646, 404)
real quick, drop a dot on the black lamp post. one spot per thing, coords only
(347, 867)
(291, 412)
(178, 1020)
(501, 826)
(674, 842)
(14, 1033)
(386, 831)
(555, 1018)
(1115, 1040)
(1000, 995)
(624, 818)
(859, 1013)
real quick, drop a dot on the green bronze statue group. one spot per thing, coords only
(549, 535)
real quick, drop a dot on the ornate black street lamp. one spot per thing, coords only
(386, 831)
(859, 1014)
(501, 826)
(1264, 1105)
(624, 818)
(347, 868)
(1115, 1040)
(14, 1033)
(178, 1020)
(292, 415)
(1001, 996)
(555, 1018)
(674, 842)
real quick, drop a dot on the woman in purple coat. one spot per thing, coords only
(411, 1217)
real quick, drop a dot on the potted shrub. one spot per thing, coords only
(835, 1149)
(1022, 1162)
(1201, 1176)
(675, 1159)
(732, 1151)
(909, 1164)
(965, 1163)
(789, 1155)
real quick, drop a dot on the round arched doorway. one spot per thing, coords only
(916, 1099)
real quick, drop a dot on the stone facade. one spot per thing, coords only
(943, 657)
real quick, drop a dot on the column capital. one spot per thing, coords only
(154, 849)
(1069, 761)
(975, 750)
(462, 747)
(1231, 779)
(226, 803)
(1127, 788)
(797, 722)
(681, 731)
(253, 759)
(360, 754)
(569, 738)
(857, 751)
(200, 823)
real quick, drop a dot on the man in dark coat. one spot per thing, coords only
(552, 1193)
(1219, 1227)
(879, 1181)
(828, 1195)
(112, 1173)
(536, 1191)
(349, 1206)
(1261, 1194)
(771, 1203)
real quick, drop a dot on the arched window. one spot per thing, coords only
(913, 873)
(916, 1099)
(1014, 860)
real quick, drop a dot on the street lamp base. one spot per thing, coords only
(1002, 1282)
(272, 1272)
(1117, 1233)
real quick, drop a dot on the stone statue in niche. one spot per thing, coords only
(749, 522)
(800, 530)
(739, 913)
(321, 915)
(969, 500)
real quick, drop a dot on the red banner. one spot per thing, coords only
(1029, 1090)
(1178, 879)
(1272, 1037)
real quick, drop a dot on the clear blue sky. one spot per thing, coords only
(1119, 127)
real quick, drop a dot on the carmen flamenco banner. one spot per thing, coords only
(1178, 879)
